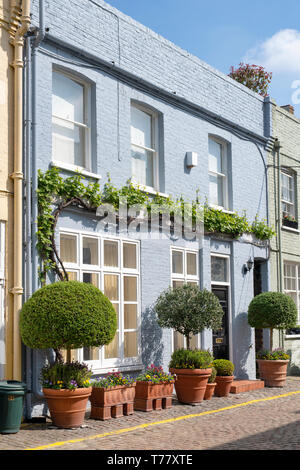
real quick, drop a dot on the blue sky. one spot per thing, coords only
(225, 33)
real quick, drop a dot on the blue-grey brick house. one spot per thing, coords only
(104, 94)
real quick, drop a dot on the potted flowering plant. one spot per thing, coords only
(224, 376)
(273, 366)
(289, 221)
(65, 316)
(112, 396)
(154, 389)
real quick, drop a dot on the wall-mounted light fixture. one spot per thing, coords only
(191, 159)
(248, 266)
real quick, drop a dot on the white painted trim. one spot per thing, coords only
(74, 168)
(290, 229)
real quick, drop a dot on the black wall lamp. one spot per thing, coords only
(248, 266)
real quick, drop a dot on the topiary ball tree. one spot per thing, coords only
(67, 315)
(272, 310)
(188, 310)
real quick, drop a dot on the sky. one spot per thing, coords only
(225, 33)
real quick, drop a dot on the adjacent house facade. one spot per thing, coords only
(107, 95)
(284, 166)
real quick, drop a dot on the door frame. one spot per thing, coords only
(228, 285)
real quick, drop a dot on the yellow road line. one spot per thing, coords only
(156, 423)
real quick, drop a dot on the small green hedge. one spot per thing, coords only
(190, 359)
(272, 310)
(223, 367)
(67, 315)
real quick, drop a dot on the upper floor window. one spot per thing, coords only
(288, 194)
(144, 147)
(70, 121)
(218, 173)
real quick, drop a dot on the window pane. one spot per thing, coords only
(90, 354)
(141, 128)
(112, 349)
(72, 275)
(130, 344)
(192, 283)
(215, 157)
(130, 289)
(130, 317)
(111, 257)
(178, 341)
(129, 256)
(142, 169)
(116, 307)
(177, 262)
(191, 264)
(67, 98)
(111, 286)
(90, 251)
(68, 142)
(216, 190)
(68, 248)
(91, 278)
(219, 269)
(177, 284)
(194, 342)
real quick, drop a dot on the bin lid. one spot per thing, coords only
(12, 385)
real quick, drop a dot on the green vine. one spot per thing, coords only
(56, 194)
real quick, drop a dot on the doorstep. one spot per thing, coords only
(239, 386)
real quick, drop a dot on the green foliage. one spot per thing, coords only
(213, 375)
(113, 379)
(155, 375)
(272, 310)
(223, 367)
(191, 359)
(67, 315)
(188, 310)
(252, 76)
(70, 375)
(261, 230)
(275, 355)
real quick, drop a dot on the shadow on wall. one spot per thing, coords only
(152, 345)
(243, 345)
(292, 369)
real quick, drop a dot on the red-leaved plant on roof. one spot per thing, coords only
(252, 76)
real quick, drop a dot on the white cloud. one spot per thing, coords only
(279, 54)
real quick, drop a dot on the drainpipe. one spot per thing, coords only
(277, 147)
(17, 177)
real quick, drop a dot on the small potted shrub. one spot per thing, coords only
(112, 396)
(211, 384)
(154, 389)
(270, 362)
(224, 377)
(192, 369)
(189, 310)
(272, 310)
(67, 315)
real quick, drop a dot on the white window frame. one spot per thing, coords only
(293, 291)
(154, 150)
(86, 126)
(185, 278)
(224, 176)
(292, 176)
(121, 363)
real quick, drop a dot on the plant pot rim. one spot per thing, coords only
(191, 371)
(211, 384)
(224, 376)
(151, 383)
(116, 387)
(274, 360)
(66, 391)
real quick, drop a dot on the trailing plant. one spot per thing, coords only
(191, 359)
(113, 379)
(155, 375)
(223, 367)
(252, 76)
(275, 355)
(213, 374)
(56, 194)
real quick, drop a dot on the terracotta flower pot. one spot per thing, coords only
(190, 384)
(67, 407)
(148, 390)
(273, 373)
(112, 402)
(209, 391)
(223, 385)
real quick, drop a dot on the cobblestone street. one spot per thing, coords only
(266, 419)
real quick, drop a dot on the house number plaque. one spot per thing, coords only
(219, 340)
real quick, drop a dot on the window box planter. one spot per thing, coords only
(290, 223)
(112, 402)
(67, 407)
(150, 396)
(190, 384)
(273, 372)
